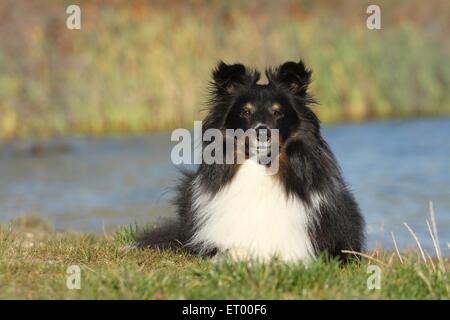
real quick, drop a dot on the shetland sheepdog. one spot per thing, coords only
(302, 211)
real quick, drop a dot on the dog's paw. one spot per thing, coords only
(234, 254)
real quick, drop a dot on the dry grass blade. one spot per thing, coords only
(437, 249)
(396, 248)
(433, 266)
(434, 225)
(434, 236)
(364, 255)
(417, 241)
(391, 258)
(426, 280)
(103, 229)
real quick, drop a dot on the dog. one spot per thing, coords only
(302, 211)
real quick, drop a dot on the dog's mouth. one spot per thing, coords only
(260, 148)
(263, 146)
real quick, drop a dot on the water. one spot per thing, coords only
(90, 184)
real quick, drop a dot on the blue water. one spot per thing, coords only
(91, 184)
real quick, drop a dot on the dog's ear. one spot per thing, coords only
(227, 78)
(293, 75)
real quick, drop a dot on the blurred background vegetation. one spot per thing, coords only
(138, 65)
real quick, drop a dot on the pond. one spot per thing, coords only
(92, 184)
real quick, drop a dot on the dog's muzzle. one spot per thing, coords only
(262, 141)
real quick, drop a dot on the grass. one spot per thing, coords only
(140, 66)
(34, 260)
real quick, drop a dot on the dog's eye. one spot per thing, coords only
(277, 113)
(245, 113)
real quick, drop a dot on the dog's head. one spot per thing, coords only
(239, 102)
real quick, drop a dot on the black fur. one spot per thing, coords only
(307, 164)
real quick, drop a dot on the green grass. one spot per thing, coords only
(34, 260)
(136, 67)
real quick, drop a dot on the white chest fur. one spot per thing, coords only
(253, 217)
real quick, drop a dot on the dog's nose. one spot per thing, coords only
(262, 131)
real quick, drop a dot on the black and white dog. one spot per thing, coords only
(303, 210)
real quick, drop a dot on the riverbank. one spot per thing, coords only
(34, 260)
